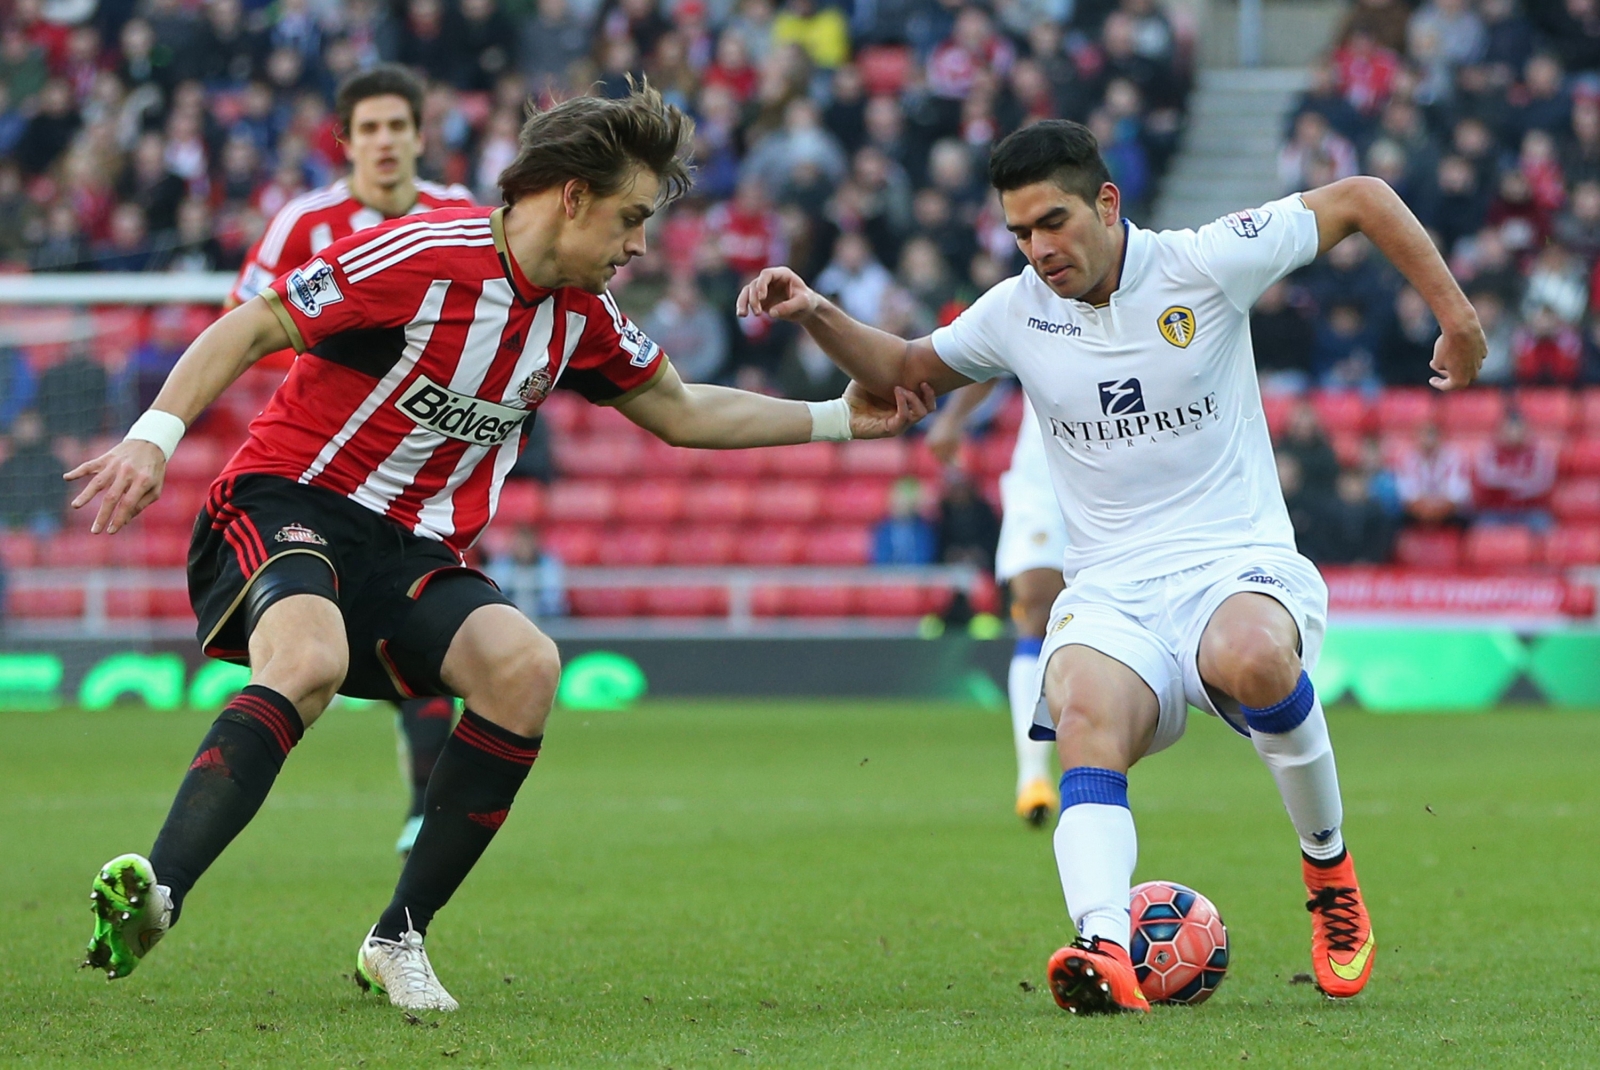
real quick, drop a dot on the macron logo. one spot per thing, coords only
(1071, 330)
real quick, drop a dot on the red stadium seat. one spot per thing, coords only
(606, 422)
(703, 545)
(875, 457)
(653, 501)
(1405, 408)
(76, 549)
(1276, 408)
(565, 413)
(1341, 412)
(632, 545)
(716, 502)
(809, 460)
(993, 455)
(574, 544)
(1475, 412)
(16, 549)
(180, 503)
(144, 603)
(1347, 447)
(45, 603)
(1582, 457)
(605, 601)
(1499, 548)
(906, 601)
(1589, 414)
(1577, 500)
(858, 501)
(200, 460)
(794, 502)
(924, 463)
(661, 461)
(1549, 410)
(596, 457)
(686, 602)
(775, 545)
(1569, 546)
(812, 602)
(574, 501)
(839, 546)
(521, 502)
(144, 548)
(730, 464)
(1437, 549)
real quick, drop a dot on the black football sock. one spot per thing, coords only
(470, 793)
(230, 776)
(426, 723)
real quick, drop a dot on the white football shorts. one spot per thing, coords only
(1153, 626)
(1033, 533)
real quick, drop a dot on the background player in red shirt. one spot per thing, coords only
(380, 125)
(329, 555)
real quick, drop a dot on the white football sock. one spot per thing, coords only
(1096, 849)
(1033, 756)
(1301, 761)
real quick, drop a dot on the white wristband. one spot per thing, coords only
(161, 428)
(830, 420)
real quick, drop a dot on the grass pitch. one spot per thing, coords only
(796, 885)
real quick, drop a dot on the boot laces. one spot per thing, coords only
(407, 955)
(1341, 911)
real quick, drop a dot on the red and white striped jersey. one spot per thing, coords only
(423, 349)
(313, 221)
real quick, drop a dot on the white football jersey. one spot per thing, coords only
(1157, 445)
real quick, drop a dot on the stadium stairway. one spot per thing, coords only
(1229, 156)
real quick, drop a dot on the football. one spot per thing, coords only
(1179, 945)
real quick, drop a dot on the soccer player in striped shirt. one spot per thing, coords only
(329, 555)
(380, 120)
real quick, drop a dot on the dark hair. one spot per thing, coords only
(385, 79)
(601, 142)
(1055, 150)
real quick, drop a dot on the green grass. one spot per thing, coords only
(806, 885)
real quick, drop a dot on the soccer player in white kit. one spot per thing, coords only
(1184, 585)
(1033, 542)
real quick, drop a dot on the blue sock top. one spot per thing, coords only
(1284, 716)
(1028, 646)
(1086, 784)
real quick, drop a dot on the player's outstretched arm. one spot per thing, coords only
(945, 433)
(879, 361)
(719, 417)
(1368, 205)
(131, 472)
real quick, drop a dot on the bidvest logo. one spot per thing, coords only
(457, 416)
(1071, 330)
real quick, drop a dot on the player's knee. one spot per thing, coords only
(522, 681)
(308, 673)
(1262, 666)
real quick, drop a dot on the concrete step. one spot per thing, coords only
(1280, 79)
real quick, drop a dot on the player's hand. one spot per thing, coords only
(944, 439)
(1457, 357)
(130, 474)
(779, 293)
(872, 417)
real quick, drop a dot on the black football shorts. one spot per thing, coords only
(262, 538)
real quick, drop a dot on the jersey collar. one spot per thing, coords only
(526, 292)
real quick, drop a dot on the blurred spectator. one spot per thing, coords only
(194, 246)
(821, 32)
(1546, 350)
(1513, 477)
(969, 530)
(802, 141)
(1384, 21)
(155, 357)
(1407, 348)
(1313, 141)
(1345, 357)
(1509, 40)
(1578, 228)
(1499, 330)
(806, 373)
(1434, 483)
(531, 576)
(1367, 70)
(1382, 484)
(1442, 35)
(855, 279)
(1556, 281)
(72, 397)
(1541, 102)
(1282, 336)
(1351, 275)
(689, 329)
(904, 537)
(1324, 97)
(972, 49)
(55, 121)
(149, 184)
(32, 493)
(129, 246)
(552, 40)
(749, 235)
(485, 45)
(1304, 440)
(1455, 205)
(1351, 527)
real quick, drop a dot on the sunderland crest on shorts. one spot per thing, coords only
(1177, 325)
(535, 388)
(299, 533)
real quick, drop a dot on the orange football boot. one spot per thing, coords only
(1095, 977)
(1342, 944)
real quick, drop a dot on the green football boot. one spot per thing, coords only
(131, 913)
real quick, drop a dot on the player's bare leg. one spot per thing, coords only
(1249, 651)
(1032, 594)
(298, 659)
(506, 671)
(1105, 717)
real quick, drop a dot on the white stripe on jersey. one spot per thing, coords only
(436, 518)
(455, 191)
(418, 331)
(400, 469)
(512, 447)
(350, 259)
(283, 223)
(452, 239)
